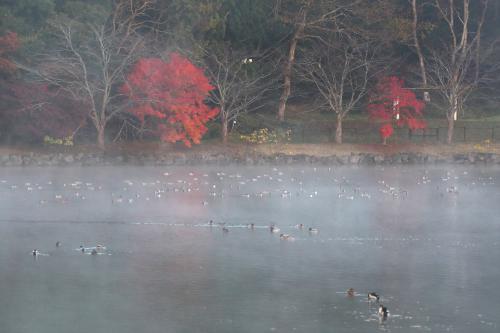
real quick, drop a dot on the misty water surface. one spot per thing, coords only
(426, 239)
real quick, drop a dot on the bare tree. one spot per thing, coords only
(90, 61)
(340, 70)
(416, 44)
(454, 68)
(308, 20)
(241, 84)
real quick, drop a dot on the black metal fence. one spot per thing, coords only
(314, 133)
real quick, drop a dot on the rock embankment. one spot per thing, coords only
(247, 158)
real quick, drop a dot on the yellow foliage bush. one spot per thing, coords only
(67, 141)
(483, 146)
(264, 135)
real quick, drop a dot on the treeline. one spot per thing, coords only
(164, 69)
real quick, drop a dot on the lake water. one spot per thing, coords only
(426, 239)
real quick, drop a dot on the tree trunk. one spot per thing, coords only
(100, 136)
(287, 71)
(338, 130)
(224, 129)
(451, 127)
(451, 118)
(419, 50)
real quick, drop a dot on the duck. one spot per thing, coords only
(94, 252)
(35, 252)
(350, 292)
(274, 229)
(58, 244)
(286, 237)
(372, 296)
(382, 312)
(82, 248)
(224, 229)
(313, 230)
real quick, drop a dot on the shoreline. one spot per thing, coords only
(278, 154)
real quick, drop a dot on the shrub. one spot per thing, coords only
(264, 135)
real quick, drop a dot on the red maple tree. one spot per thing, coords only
(173, 92)
(9, 43)
(392, 104)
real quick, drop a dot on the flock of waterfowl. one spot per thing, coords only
(382, 312)
(219, 184)
(93, 250)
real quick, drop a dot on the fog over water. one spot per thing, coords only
(426, 239)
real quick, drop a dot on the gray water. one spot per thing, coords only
(425, 239)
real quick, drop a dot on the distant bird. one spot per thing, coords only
(35, 252)
(313, 230)
(94, 252)
(82, 248)
(382, 312)
(273, 229)
(350, 292)
(225, 230)
(373, 296)
(286, 237)
(58, 244)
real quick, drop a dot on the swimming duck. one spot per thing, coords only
(286, 237)
(382, 312)
(58, 243)
(82, 248)
(35, 252)
(313, 230)
(350, 292)
(273, 229)
(373, 296)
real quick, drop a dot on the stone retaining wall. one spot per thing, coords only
(210, 158)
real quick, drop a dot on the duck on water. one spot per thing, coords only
(382, 312)
(373, 296)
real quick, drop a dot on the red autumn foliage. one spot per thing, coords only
(386, 130)
(29, 111)
(174, 94)
(9, 43)
(391, 103)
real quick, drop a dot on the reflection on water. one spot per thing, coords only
(425, 239)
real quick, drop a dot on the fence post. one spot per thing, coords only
(465, 136)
